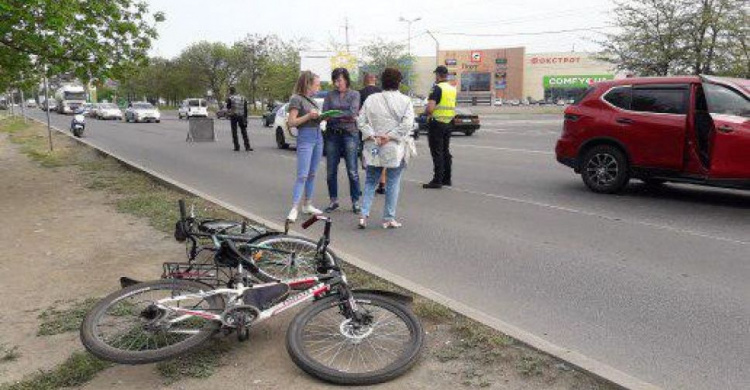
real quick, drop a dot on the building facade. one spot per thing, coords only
(554, 76)
(483, 75)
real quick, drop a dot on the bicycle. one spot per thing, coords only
(350, 337)
(288, 256)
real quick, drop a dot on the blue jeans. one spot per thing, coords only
(309, 154)
(347, 146)
(392, 188)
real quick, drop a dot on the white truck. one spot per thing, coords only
(69, 98)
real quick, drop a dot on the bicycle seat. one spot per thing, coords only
(217, 226)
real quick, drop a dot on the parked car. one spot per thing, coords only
(269, 117)
(193, 107)
(464, 122)
(30, 103)
(106, 111)
(418, 103)
(142, 112)
(498, 102)
(514, 102)
(222, 112)
(525, 102)
(692, 129)
(286, 137)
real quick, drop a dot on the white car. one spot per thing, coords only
(193, 108)
(142, 112)
(284, 135)
(31, 103)
(417, 102)
(108, 111)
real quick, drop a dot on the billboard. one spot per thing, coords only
(574, 81)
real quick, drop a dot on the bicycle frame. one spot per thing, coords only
(319, 289)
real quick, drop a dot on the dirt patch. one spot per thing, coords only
(65, 241)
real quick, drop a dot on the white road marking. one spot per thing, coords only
(592, 214)
(457, 145)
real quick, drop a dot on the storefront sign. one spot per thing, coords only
(476, 56)
(554, 60)
(451, 62)
(582, 81)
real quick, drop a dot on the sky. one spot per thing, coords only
(320, 22)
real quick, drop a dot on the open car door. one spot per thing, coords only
(729, 106)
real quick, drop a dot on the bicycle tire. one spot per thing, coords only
(299, 353)
(303, 247)
(102, 350)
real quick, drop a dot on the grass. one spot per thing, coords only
(9, 354)
(137, 194)
(201, 363)
(55, 321)
(77, 370)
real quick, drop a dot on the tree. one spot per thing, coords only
(381, 54)
(282, 69)
(254, 52)
(213, 64)
(663, 37)
(88, 38)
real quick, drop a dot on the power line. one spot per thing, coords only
(526, 33)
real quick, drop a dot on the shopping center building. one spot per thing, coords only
(510, 73)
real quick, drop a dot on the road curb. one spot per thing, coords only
(580, 361)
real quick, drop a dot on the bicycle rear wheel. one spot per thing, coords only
(125, 327)
(295, 257)
(327, 345)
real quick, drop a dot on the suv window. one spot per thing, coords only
(619, 97)
(663, 100)
(722, 100)
(582, 96)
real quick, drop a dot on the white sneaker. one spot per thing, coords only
(310, 209)
(292, 217)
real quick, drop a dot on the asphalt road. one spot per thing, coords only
(655, 283)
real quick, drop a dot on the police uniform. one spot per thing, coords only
(237, 106)
(444, 95)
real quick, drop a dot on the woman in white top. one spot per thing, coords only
(386, 121)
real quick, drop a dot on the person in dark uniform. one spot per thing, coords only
(441, 108)
(237, 108)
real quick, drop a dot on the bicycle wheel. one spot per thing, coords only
(279, 265)
(126, 328)
(323, 343)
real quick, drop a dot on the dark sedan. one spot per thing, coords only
(464, 122)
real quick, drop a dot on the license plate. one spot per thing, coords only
(466, 120)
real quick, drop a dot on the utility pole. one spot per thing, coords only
(346, 33)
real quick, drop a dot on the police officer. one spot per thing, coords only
(237, 107)
(441, 108)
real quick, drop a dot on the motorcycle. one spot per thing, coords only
(78, 124)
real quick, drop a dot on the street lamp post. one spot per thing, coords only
(437, 48)
(408, 44)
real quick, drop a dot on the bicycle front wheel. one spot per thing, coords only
(291, 257)
(327, 345)
(126, 327)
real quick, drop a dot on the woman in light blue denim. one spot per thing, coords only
(304, 114)
(386, 121)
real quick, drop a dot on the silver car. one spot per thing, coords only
(108, 111)
(142, 112)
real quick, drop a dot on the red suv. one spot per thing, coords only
(685, 129)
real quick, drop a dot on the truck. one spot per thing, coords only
(69, 98)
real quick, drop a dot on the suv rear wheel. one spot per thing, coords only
(605, 169)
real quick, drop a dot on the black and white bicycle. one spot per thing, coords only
(345, 336)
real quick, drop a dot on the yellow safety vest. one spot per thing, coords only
(445, 109)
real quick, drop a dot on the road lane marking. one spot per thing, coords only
(593, 214)
(457, 145)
